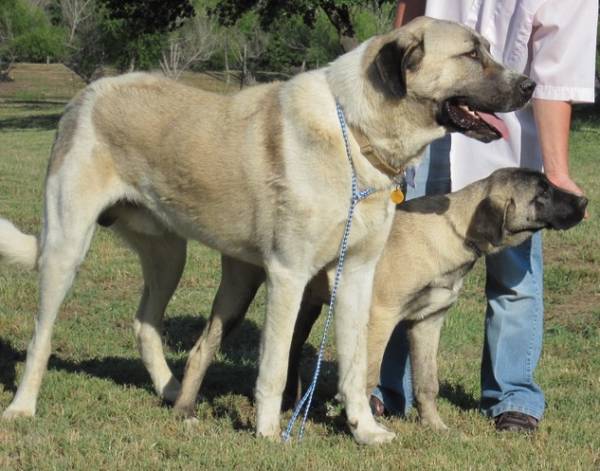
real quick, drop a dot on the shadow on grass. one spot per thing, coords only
(234, 373)
(9, 357)
(236, 370)
(456, 394)
(122, 371)
(45, 122)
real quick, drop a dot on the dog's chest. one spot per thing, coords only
(439, 294)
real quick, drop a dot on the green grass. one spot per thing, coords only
(97, 409)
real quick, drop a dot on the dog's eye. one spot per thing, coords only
(544, 186)
(474, 54)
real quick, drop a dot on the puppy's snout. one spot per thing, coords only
(527, 86)
(582, 203)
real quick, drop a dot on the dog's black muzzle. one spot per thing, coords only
(560, 209)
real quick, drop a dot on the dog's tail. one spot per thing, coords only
(17, 248)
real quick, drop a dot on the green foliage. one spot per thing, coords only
(324, 43)
(149, 16)
(277, 36)
(287, 45)
(18, 17)
(269, 11)
(134, 33)
(141, 52)
(29, 34)
(370, 21)
(39, 45)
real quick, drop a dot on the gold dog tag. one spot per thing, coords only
(397, 195)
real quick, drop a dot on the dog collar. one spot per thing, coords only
(474, 248)
(373, 156)
(379, 163)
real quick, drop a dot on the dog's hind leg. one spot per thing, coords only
(162, 258)
(72, 206)
(239, 283)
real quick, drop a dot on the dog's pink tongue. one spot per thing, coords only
(494, 122)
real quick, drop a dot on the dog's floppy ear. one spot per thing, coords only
(488, 224)
(392, 62)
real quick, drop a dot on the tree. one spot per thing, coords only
(26, 34)
(74, 14)
(150, 16)
(247, 43)
(339, 13)
(136, 32)
(193, 43)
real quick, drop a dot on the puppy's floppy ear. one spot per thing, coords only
(392, 62)
(488, 224)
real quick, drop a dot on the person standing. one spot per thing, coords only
(554, 43)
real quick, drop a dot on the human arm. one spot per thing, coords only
(563, 57)
(408, 10)
(553, 121)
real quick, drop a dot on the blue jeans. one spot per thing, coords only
(513, 322)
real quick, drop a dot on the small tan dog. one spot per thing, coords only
(251, 175)
(433, 244)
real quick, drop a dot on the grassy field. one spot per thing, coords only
(56, 82)
(97, 409)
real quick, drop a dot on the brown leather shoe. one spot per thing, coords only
(512, 421)
(377, 407)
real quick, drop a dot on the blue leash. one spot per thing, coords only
(357, 196)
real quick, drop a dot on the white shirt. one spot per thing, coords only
(551, 41)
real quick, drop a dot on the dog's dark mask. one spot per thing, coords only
(500, 221)
(556, 208)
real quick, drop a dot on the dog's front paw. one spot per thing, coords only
(15, 412)
(370, 432)
(273, 435)
(267, 420)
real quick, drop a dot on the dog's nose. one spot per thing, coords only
(582, 203)
(527, 87)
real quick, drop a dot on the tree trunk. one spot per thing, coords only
(227, 61)
(340, 18)
(244, 66)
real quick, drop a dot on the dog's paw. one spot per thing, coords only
(191, 423)
(371, 433)
(12, 413)
(272, 432)
(186, 411)
(434, 422)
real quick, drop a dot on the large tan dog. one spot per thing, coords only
(434, 242)
(250, 175)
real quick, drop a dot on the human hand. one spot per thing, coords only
(565, 182)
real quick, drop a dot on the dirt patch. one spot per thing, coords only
(41, 82)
